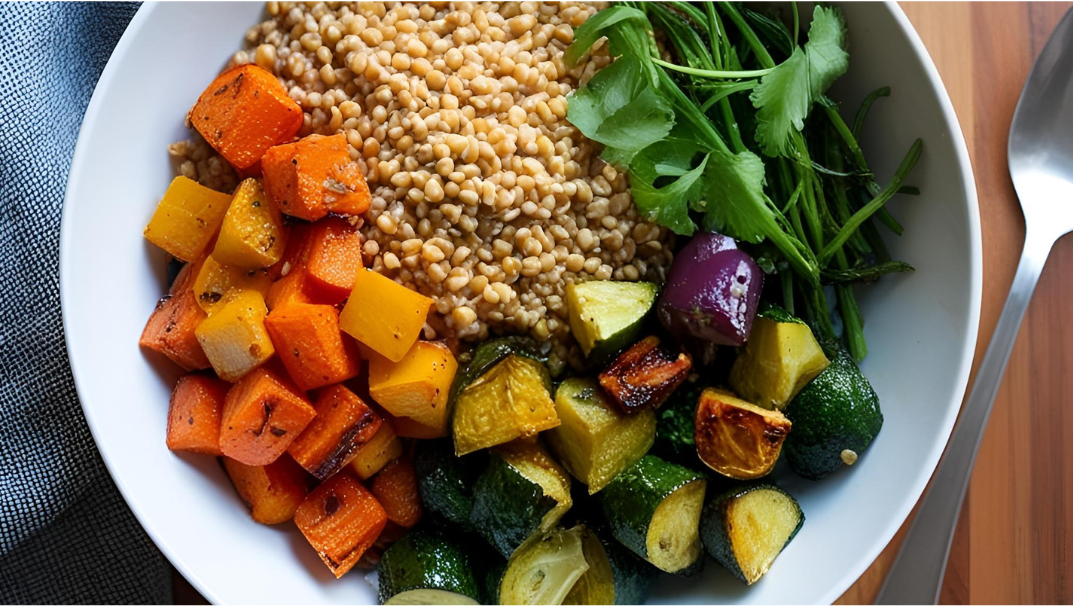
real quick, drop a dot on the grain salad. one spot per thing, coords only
(484, 196)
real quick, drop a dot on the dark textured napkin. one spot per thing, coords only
(66, 535)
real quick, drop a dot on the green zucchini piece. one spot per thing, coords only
(596, 587)
(653, 508)
(544, 570)
(521, 494)
(736, 438)
(479, 360)
(675, 426)
(446, 482)
(631, 576)
(594, 440)
(512, 400)
(747, 527)
(833, 420)
(781, 356)
(426, 567)
(606, 316)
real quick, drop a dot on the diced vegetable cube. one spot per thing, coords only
(263, 414)
(333, 259)
(252, 235)
(187, 218)
(289, 289)
(594, 440)
(745, 528)
(244, 112)
(428, 567)
(545, 569)
(171, 327)
(384, 315)
(217, 281)
(645, 375)
(195, 414)
(273, 491)
(417, 386)
(395, 487)
(315, 176)
(780, 358)
(341, 519)
(377, 452)
(311, 345)
(343, 423)
(235, 338)
(735, 438)
(606, 316)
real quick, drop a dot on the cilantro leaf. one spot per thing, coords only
(596, 28)
(668, 205)
(825, 49)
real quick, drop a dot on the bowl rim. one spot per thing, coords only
(971, 205)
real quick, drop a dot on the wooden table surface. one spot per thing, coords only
(1013, 544)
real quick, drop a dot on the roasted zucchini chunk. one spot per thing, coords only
(511, 400)
(738, 439)
(780, 358)
(521, 494)
(446, 482)
(653, 509)
(606, 316)
(426, 567)
(746, 528)
(615, 575)
(474, 363)
(545, 569)
(645, 375)
(594, 440)
(596, 587)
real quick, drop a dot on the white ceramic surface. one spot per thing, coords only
(921, 327)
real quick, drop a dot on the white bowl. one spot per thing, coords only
(921, 327)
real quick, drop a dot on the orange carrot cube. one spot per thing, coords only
(333, 259)
(234, 338)
(195, 414)
(263, 414)
(311, 345)
(382, 448)
(273, 491)
(395, 487)
(170, 330)
(343, 424)
(385, 316)
(186, 218)
(315, 176)
(417, 386)
(244, 112)
(341, 519)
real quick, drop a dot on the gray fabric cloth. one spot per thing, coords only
(66, 535)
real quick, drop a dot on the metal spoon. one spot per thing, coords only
(1041, 165)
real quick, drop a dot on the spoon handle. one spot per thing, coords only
(917, 572)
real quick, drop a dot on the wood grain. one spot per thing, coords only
(1013, 544)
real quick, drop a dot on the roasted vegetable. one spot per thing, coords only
(216, 282)
(263, 414)
(170, 330)
(510, 401)
(521, 494)
(332, 261)
(545, 570)
(343, 423)
(385, 316)
(195, 414)
(606, 316)
(235, 339)
(315, 176)
(596, 587)
(479, 360)
(712, 291)
(273, 491)
(780, 358)
(377, 452)
(645, 375)
(187, 218)
(653, 509)
(446, 482)
(252, 234)
(427, 567)
(735, 438)
(396, 488)
(833, 419)
(341, 519)
(418, 386)
(311, 346)
(594, 440)
(633, 576)
(244, 112)
(747, 527)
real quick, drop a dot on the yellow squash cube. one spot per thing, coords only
(187, 218)
(216, 282)
(234, 338)
(417, 386)
(780, 358)
(252, 234)
(383, 315)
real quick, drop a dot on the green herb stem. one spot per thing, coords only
(748, 33)
(717, 74)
